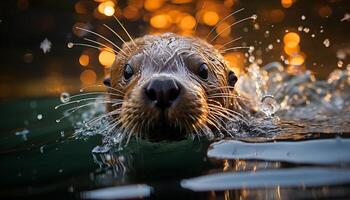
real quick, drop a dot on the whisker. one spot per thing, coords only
(115, 33)
(103, 86)
(125, 30)
(99, 35)
(107, 47)
(234, 48)
(78, 101)
(217, 24)
(232, 41)
(95, 93)
(253, 17)
(71, 44)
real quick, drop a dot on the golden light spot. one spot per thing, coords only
(291, 39)
(223, 29)
(187, 23)
(296, 60)
(108, 11)
(160, 21)
(325, 11)
(287, 3)
(152, 5)
(106, 58)
(291, 50)
(88, 77)
(235, 61)
(181, 1)
(84, 60)
(175, 16)
(106, 8)
(210, 18)
(229, 3)
(131, 13)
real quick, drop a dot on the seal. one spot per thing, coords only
(172, 87)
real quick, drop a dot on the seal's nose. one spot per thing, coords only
(163, 91)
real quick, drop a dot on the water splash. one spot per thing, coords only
(65, 97)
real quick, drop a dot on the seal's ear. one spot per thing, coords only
(107, 81)
(231, 78)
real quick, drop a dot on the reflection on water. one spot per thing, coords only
(297, 75)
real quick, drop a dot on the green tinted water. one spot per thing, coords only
(50, 164)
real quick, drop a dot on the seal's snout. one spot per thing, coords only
(163, 91)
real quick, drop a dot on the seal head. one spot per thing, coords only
(171, 87)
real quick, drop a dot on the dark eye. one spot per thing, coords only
(232, 78)
(203, 71)
(128, 71)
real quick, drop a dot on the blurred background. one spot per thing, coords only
(36, 61)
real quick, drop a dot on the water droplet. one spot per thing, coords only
(62, 133)
(306, 30)
(251, 59)
(70, 45)
(300, 28)
(267, 33)
(326, 43)
(313, 35)
(251, 49)
(60, 170)
(278, 40)
(42, 149)
(270, 46)
(39, 116)
(269, 105)
(254, 17)
(65, 97)
(24, 133)
(303, 17)
(58, 120)
(340, 63)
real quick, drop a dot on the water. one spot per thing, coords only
(43, 158)
(295, 147)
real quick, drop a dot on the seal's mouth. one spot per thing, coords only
(166, 132)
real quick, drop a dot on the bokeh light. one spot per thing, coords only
(210, 18)
(161, 21)
(84, 60)
(88, 77)
(106, 58)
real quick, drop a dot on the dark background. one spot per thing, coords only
(25, 71)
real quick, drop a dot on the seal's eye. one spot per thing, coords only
(128, 71)
(232, 78)
(203, 71)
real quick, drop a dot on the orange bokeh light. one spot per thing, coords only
(106, 8)
(106, 58)
(210, 18)
(296, 60)
(152, 5)
(88, 77)
(287, 3)
(84, 60)
(187, 23)
(291, 50)
(235, 61)
(160, 21)
(223, 29)
(291, 39)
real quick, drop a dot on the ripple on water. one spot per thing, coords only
(119, 192)
(323, 151)
(303, 176)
